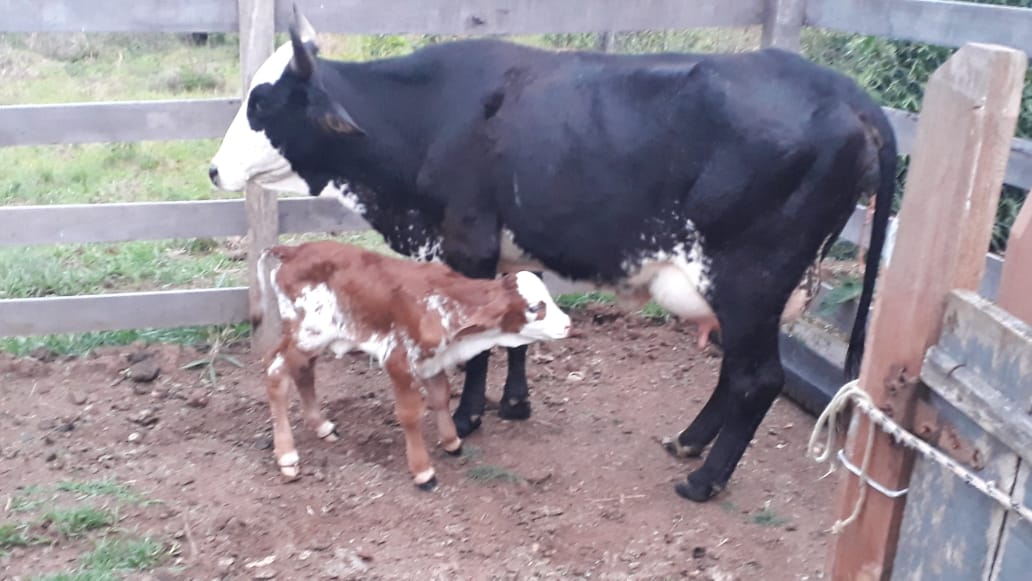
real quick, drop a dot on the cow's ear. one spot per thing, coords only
(303, 62)
(335, 118)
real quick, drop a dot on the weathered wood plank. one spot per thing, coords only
(110, 312)
(118, 16)
(1019, 163)
(116, 121)
(980, 375)
(86, 223)
(1015, 556)
(1016, 280)
(950, 531)
(519, 16)
(931, 21)
(783, 24)
(945, 223)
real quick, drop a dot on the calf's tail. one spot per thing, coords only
(279, 252)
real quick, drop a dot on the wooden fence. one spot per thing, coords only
(946, 23)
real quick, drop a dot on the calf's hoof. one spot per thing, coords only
(466, 425)
(456, 449)
(514, 409)
(674, 447)
(696, 489)
(426, 480)
(288, 466)
(328, 432)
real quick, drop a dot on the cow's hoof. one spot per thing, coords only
(428, 485)
(514, 409)
(695, 490)
(674, 447)
(466, 425)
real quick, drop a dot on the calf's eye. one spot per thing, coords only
(537, 307)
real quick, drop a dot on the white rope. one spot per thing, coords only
(863, 402)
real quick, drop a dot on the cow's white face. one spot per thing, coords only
(553, 323)
(247, 154)
(286, 125)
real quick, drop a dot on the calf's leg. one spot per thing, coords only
(438, 393)
(279, 375)
(313, 416)
(408, 408)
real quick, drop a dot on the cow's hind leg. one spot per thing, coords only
(693, 440)
(438, 393)
(313, 416)
(752, 376)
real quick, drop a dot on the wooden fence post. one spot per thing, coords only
(257, 40)
(783, 24)
(1016, 281)
(968, 117)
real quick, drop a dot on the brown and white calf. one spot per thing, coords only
(417, 319)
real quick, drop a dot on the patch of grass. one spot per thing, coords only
(12, 535)
(26, 499)
(768, 518)
(490, 473)
(90, 489)
(848, 289)
(84, 575)
(123, 554)
(654, 312)
(82, 343)
(72, 522)
(573, 301)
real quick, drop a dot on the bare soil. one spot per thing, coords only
(582, 489)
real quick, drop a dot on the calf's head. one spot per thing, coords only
(286, 120)
(533, 314)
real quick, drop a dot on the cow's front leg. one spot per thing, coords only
(471, 246)
(515, 403)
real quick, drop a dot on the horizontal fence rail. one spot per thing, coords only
(116, 121)
(384, 16)
(932, 21)
(83, 223)
(111, 312)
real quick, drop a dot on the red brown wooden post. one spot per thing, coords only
(963, 138)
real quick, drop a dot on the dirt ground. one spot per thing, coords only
(582, 489)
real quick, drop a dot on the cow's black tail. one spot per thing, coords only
(879, 228)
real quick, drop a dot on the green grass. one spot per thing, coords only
(768, 518)
(93, 488)
(123, 554)
(111, 558)
(491, 473)
(75, 521)
(573, 301)
(12, 535)
(27, 499)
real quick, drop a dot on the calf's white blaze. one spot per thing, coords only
(555, 324)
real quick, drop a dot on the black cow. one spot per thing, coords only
(712, 183)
